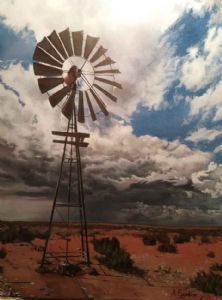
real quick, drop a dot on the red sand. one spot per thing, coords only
(167, 275)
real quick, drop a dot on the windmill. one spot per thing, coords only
(78, 78)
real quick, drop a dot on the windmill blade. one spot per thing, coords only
(105, 62)
(67, 109)
(112, 97)
(53, 37)
(46, 84)
(77, 38)
(81, 117)
(65, 37)
(111, 71)
(59, 95)
(113, 83)
(90, 45)
(100, 103)
(98, 54)
(93, 115)
(42, 56)
(46, 45)
(44, 70)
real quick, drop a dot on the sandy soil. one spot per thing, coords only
(166, 275)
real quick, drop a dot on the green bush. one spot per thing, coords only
(3, 253)
(182, 238)
(149, 239)
(208, 283)
(216, 267)
(167, 247)
(113, 256)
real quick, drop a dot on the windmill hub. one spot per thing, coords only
(72, 75)
(73, 68)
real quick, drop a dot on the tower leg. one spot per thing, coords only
(54, 202)
(72, 132)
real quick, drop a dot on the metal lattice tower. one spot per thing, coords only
(75, 73)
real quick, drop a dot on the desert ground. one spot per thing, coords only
(165, 275)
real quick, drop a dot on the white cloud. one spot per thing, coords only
(121, 158)
(18, 123)
(204, 104)
(218, 149)
(204, 134)
(95, 16)
(209, 180)
(127, 28)
(201, 69)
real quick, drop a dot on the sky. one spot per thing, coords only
(157, 159)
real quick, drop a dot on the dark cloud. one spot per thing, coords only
(154, 202)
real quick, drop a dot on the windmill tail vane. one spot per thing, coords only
(78, 78)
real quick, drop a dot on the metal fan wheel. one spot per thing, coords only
(67, 59)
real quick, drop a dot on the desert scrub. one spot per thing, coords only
(20, 234)
(211, 254)
(208, 283)
(205, 239)
(216, 267)
(167, 247)
(106, 245)
(25, 235)
(149, 239)
(3, 253)
(162, 237)
(182, 238)
(9, 235)
(113, 256)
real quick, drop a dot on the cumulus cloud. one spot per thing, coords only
(209, 180)
(208, 102)
(131, 35)
(203, 64)
(204, 134)
(146, 157)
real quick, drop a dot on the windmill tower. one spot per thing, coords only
(76, 74)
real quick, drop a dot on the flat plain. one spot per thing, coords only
(164, 275)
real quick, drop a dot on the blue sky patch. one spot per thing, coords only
(188, 31)
(173, 121)
(16, 46)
